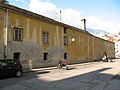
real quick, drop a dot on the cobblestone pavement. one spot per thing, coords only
(87, 76)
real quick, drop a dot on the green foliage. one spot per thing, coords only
(5, 1)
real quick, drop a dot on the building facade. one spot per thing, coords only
(117, 49)
(39, 41)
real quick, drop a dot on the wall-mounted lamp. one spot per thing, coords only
(73, 39)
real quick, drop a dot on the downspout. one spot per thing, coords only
(6, 34)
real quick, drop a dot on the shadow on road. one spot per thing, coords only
(8, 81)
(62, 80)
(85, 81)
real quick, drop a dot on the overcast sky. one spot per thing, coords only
(99, 14)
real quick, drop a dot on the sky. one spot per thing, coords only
(99, 14)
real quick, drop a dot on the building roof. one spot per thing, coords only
(34, 15)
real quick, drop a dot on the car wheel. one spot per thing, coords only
(18, 74)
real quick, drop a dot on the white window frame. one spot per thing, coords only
(18, 34)
(45, 37)
(65, 40)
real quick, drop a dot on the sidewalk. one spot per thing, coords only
(70, 65)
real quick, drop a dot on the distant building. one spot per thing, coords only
(117, 49)
(112, 38)
(105, 37)
(38, 41)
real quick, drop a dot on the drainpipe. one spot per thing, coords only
(6, 34)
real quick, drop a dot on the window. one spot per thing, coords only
(65, 30)
(65, 40)
(45, 37)
(65, 55)
(16, 55)
(18, 34)
(45, 56)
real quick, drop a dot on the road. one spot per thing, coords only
(87, 76)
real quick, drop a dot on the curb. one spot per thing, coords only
(55, 67)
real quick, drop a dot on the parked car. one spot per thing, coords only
(10, 67)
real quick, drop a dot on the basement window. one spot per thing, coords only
(45, 57)
(65, 55)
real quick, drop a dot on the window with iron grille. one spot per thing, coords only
(65, 40)
(18, 34)
(45, 38)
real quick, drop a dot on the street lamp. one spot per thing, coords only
(84, 20)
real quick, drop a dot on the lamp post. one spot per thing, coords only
(84, 20)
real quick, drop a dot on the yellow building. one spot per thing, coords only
(39, 41)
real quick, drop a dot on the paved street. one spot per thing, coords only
(87, 76)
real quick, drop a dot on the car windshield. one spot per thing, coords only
(7, 62)
(2, 63)
(11, 62)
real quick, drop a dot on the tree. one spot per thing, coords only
(4, 1)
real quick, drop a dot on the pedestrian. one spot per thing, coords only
(105, 57)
